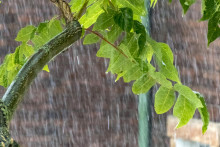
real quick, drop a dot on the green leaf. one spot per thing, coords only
(139, 28)
(105, 20)
(8, 70)
(19, 56)
(106, 50)
(92, 13)
(213, 27)
(189, 94)
(208, 9)
(114, 33)
(76, 5)
(203, 113)
(118, 63)
(46, 31)
(26, 33)
(54, 27)
(132, 74)
(143, 84)
(184, 110)
(186, 4)
(124, 18)
(90, 39)
(27, 50)
(149, 52)
(164, 58)
(137, 6)
(161, 79)
(164, 100)
(130, 44)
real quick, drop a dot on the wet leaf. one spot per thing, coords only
(143, 84)
(136, 5)
(164, 100)
(164, 58)
(91, 15)
(90, 39)
(105, 20)
(203, 113)
(161, 79)
(183, 110)
(208, 9)
(124, 18)
(188, 94)
(213, 27)
(26, 33)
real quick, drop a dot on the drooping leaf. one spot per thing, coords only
(213, 27)
(183, 110)
(143, 84)
(203, 113)
(26, 33)
(164, 58)
(186, 4)
(164, 99)
(124, 18)
(188, 94)
(90, 39)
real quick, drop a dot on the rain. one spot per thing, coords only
(78, 104)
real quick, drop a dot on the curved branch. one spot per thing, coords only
(35, 64)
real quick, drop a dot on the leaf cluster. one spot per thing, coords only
(125, 42)
(130, 59)
(31, 38)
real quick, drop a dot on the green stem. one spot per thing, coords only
(100, 36)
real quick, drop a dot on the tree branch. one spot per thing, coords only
(35, 64)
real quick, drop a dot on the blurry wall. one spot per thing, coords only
(77, 103)
(199, 65)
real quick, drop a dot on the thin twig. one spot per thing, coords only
(100, 36)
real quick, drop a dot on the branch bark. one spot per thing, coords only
(29, 71)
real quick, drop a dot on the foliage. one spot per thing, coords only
(31, 39)
(130, 58)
